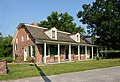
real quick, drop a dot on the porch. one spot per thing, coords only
(61, 52)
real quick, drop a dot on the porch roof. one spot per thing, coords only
(65, 43)
(38, 34)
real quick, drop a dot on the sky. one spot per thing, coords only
(13, 12)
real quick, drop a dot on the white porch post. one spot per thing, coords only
(45, 53)
(78, 52)
(69, 52)
(86, 51)
(31, 51)
(92, 52)
(58, 52)
(97, 51)
(14, 56)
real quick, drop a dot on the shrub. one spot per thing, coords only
(97, 58)
(30, 59)
(8, 59)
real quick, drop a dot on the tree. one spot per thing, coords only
(62, 21)
(8, 46)
(103, 20)
(1, 45)
(5, 46)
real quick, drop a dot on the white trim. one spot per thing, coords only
(45, 53)
(34, 26)
(15, 35)
(15, 47)
(66, 43)
(86, 52)
(31, 50)
(55, 30)
(58, 52)
(64, 32)
(16, 40)
(25, 54)
(92, 52)
(54, 35)
(69, 52)
(22, 38)
(28, 38)
(78, 52)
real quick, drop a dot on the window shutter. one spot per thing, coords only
(34, 52)
(29, 51)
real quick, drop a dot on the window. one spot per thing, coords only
(15, 47)
(77, 37)
(16, 40)
(53, 34)
(82, 50)
(53, 50)
(28, 37)
(32, 51)
(22, 38)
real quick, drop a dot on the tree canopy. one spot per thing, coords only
(103, 20)
(62, 21)
(5, 46)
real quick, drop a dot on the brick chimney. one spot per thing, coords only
(34, 23)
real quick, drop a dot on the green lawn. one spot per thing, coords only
(25, 70)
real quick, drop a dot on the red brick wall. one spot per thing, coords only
(82, 57)
(74, 57)
(55, 58)
(39, 54)
(22, 44)
(62, 57)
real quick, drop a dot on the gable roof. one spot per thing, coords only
(38, 34)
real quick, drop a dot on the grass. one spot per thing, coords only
(26, 70)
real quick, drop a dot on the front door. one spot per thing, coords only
(66, 54)
(25, 54)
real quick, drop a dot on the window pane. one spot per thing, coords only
(53, 34)
(77, 38)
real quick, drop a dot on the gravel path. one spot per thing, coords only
(111, 74)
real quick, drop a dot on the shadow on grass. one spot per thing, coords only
(42, 74)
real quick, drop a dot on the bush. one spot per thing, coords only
(97, 58)
(8, 59)
(30, 59)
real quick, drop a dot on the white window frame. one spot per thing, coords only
(16, 40)
(22, 37)
(77, 38)
(31, 51)
(15, 47)
(28, 38)
(53, 35)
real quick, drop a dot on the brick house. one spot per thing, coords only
(50, 45)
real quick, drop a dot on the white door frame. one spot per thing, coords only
(25, 54)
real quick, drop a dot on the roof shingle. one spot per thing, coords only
(38, 33)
